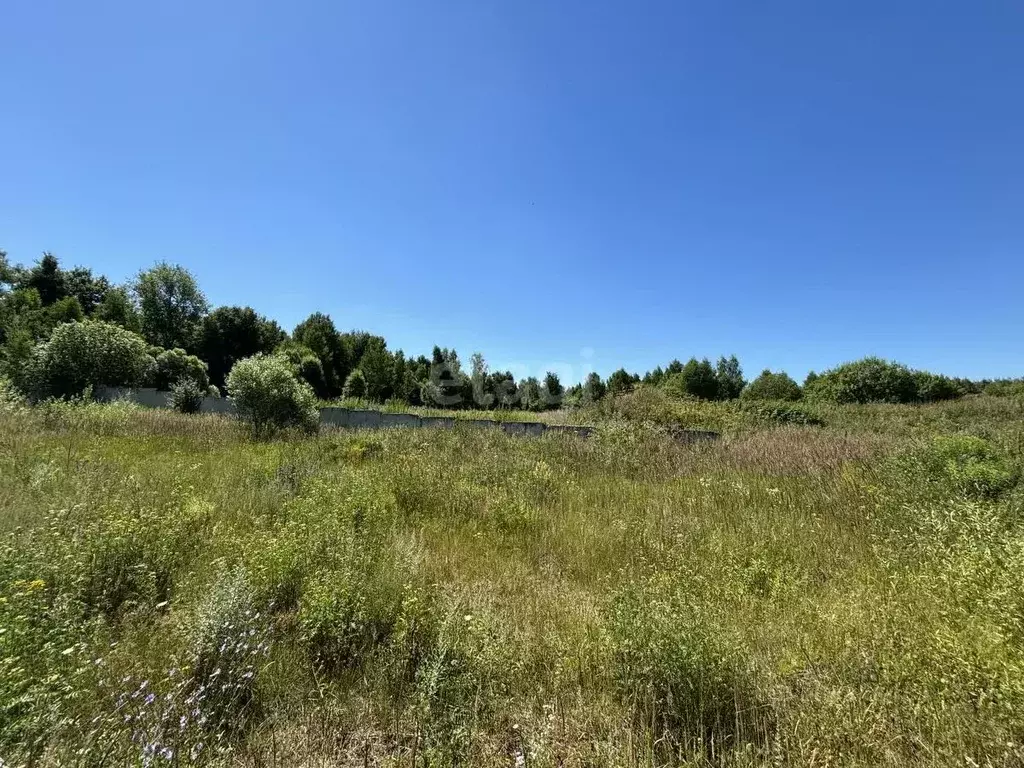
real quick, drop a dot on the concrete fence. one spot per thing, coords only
(356, 419)
(348, 417)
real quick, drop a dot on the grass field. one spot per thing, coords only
(172, 593)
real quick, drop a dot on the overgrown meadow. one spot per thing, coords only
(841, 589)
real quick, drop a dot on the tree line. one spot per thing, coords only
(62, 330)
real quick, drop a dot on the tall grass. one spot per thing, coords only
(849, 594)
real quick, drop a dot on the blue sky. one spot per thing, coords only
(571, 184)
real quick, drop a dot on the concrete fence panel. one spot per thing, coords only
(346, 417)
(217, 405)
(365, 419)
(334, 417)
(400, 420)
(438, 422)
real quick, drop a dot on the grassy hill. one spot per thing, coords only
(845, 593)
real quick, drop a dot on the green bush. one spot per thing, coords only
(174, 365)
(782, 413)
(91, 353)
(772, 386)
(931, 388)
(970, 465)
(871, 380)
(269, 396)
(697, 379)
(187, 396)
(1005, 388)
(355, 385)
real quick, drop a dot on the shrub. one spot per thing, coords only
(187, 396)
(871, 380)
(87, 354)
(697, 379)
(270, 397)
(932, 388)
(971, 465)
(355, 385)
(781, 412)
(772, 386)
(1005, 388)
(174, 365)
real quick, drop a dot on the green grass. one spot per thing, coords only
(847, 594)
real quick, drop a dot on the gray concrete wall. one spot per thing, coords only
(344, 417)
(442, 422)
(400, 420)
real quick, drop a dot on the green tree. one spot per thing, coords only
(483, 396)
(318, 333)
(772, 386)
(445, 385)
(869, 380)
(378, 368)
(47, 278)
(620, 382)
(552, 391)
(117, 308)
(90, 290)
(697, 379)
(230, 334)
(89, 353)
(269, 396)
(529, 395)
(355, 386)
(730, 378)
(305, 365)
(171, 305)
(175, 365)
(593, 388)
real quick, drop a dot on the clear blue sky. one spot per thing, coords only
(583, 183)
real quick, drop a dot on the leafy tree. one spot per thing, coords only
(593, 388)
(117, 308)
(655, 377)
(674, 368)
(230, 334)
(16, 357)
(171, 305)
(552, 391)
(89, 353)
(620, 382)
(772, 386)
(269, 396)
(355, 385)
(529, 395)
(865, 381)
(378, 368)
(482, 394)
(318, 333)
(730, 378)
(932, 387)
(445, 386)
(305, 365)
(9, 274)
(502, 386)
(90, 291)
(47, 278)
(697, 379)
(403, 380)
(175, 365)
